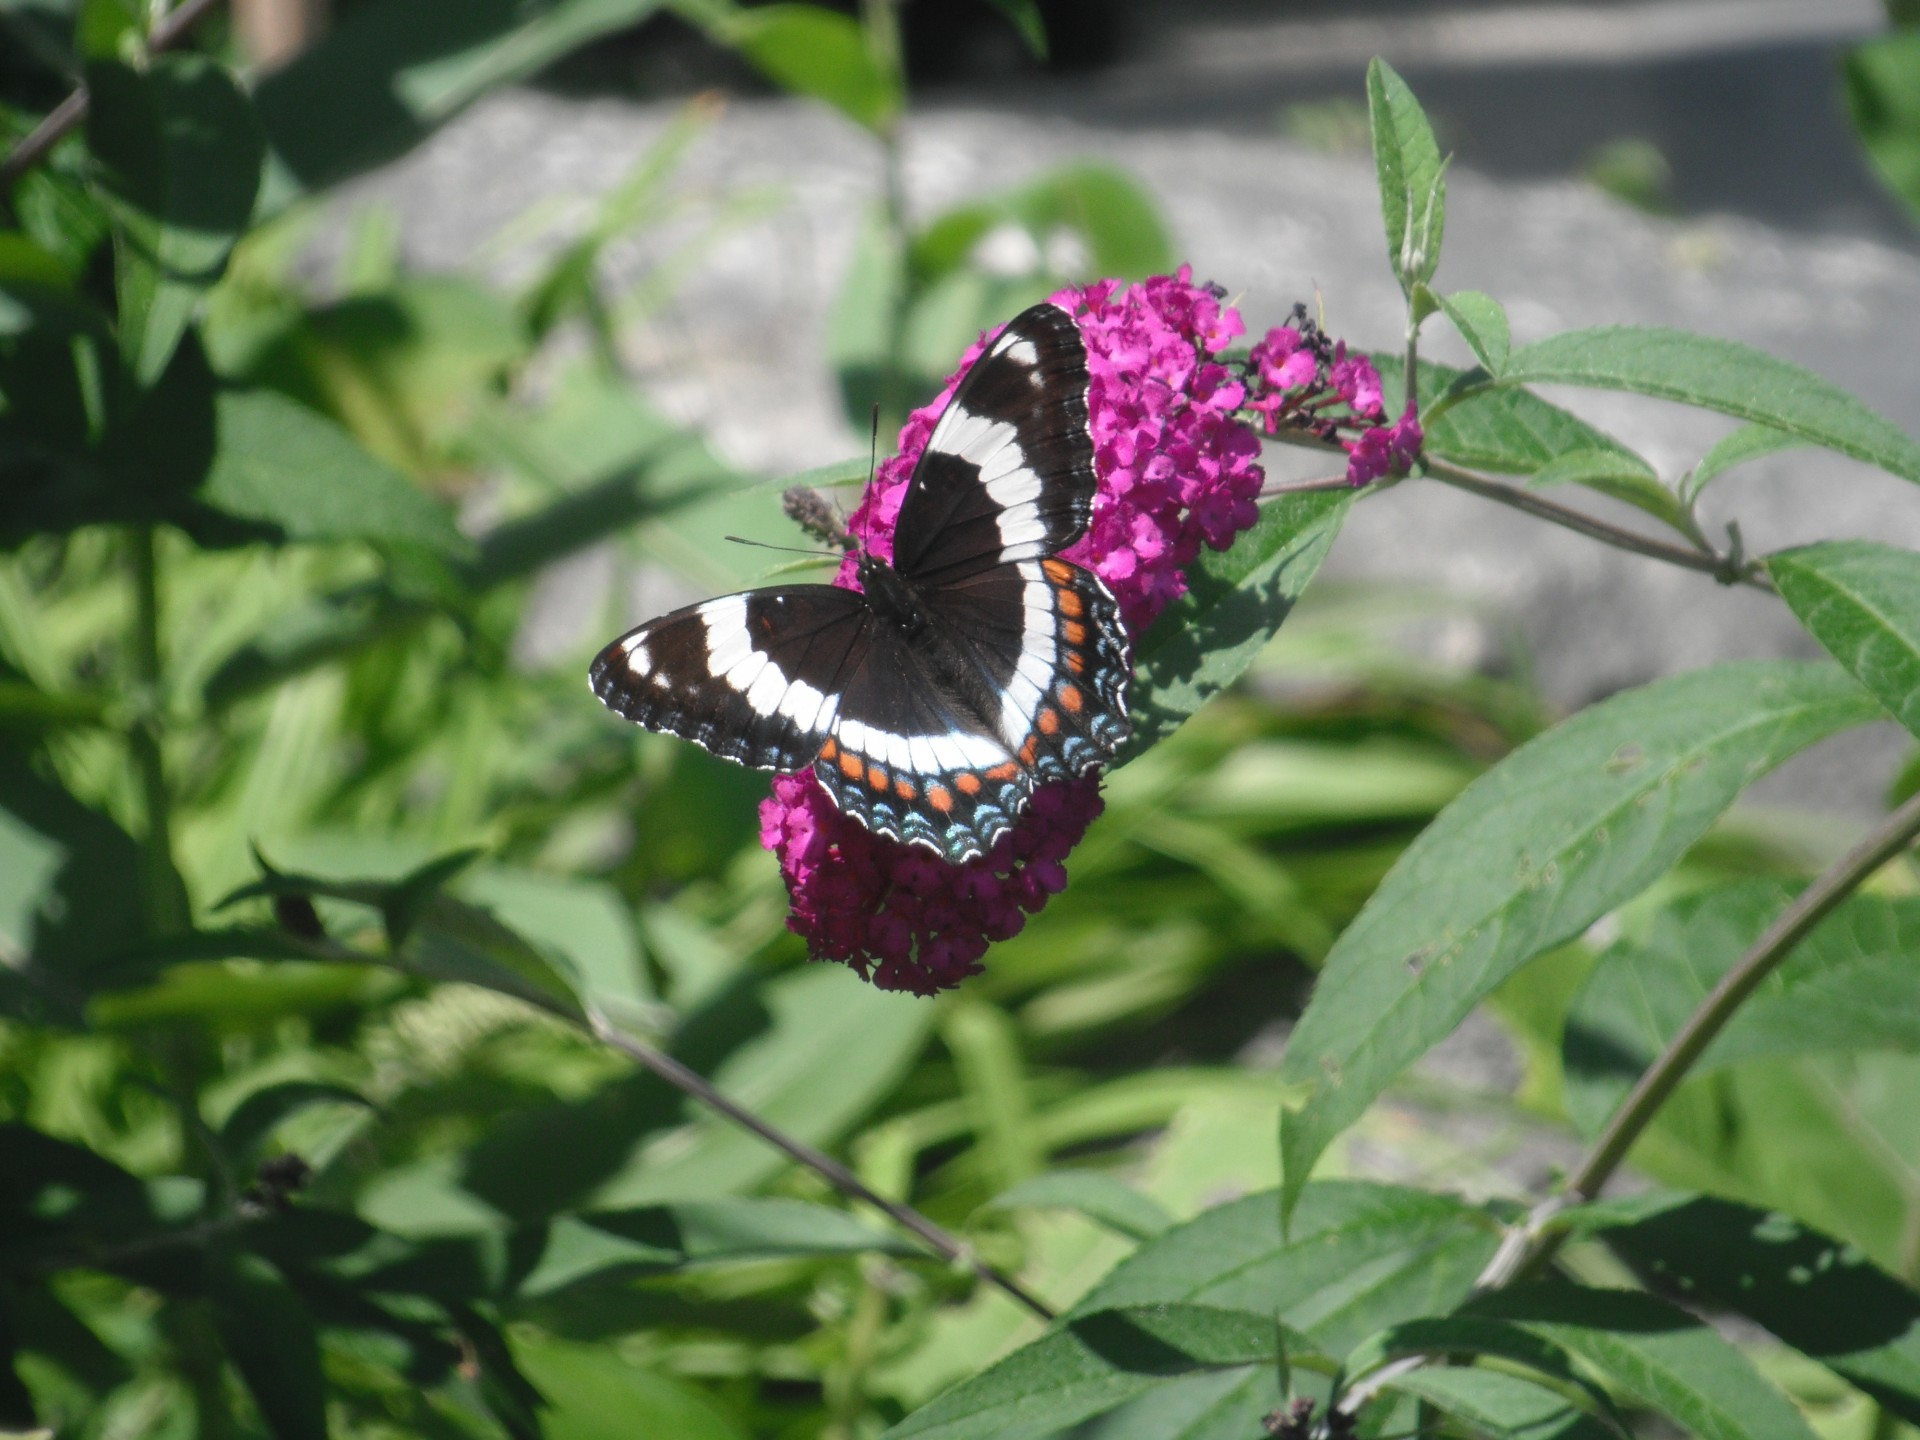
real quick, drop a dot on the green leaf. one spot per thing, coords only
(1662, 1357)
(620, 1244)
(1749, 442)
(282, 464)
(1228, 1404)
(1413, 189)
(1807, 1289)
(253, 1121)
(1236, 601)
(384, 76)
(1099, 1197)
(1512, 432)
(594, 1392)
(1098, 1361)
(1718, 375)
(180, 157)
(1477, 1335)
(1570, 825)
(1495, 1403)
(1482, 323)
(1026, 18)
(69, 893)
(1883, 98)
(1861, 600)
(1851, 985)
(1626, 478)
(270, 1339)
(1356, 1258)
(817, 52)
(1103, 205)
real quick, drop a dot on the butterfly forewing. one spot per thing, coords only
(1008, 472)
(755, 678)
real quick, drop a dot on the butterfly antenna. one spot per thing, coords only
(789, 549)
(873, 466)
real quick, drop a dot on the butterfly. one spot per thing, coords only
(975, 666)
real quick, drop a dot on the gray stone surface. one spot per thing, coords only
(739, 349)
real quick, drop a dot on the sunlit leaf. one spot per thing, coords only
(1861, 600)
(1412, 177)
(1570, 825)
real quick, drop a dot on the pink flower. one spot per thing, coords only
(1298, 379)
(1177, 470)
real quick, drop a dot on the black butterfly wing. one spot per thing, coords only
(1008, 472)
(1020, 677)
(755, 677)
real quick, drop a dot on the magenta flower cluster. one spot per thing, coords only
(1177, 470)
(1299, 379)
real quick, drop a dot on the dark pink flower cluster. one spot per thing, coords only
(1299, 379)
(900, 915)
(1177, 470)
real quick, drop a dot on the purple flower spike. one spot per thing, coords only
(1178, 469)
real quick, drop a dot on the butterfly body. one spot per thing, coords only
(972, 667)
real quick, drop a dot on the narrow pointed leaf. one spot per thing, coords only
(1721, 375)
(1749, 442)
(1809, 1290)
(1407, 163)
(1572, 824)
(1482, 323)
(1861, 600)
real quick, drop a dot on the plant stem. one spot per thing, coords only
(1788, 929)
(1307, 487)
(160, 881)
(691, 1082)
(1706, 561)
(64, 117)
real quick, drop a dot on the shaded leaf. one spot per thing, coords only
(1565, 828)
(1883, 99)
(1097, 1361)
(597, 1393)
(1626, 478)
(270, 1339)
(1656, 1354)
(1236, 601)
(1721, 375)
(1026, 18)
(1810, 1291)
(1861, 600)
(1851, 985)
(282, 464)
(253, 1121)
(1499, 1404)
(814, 51)
(180, 156)
(384, 76)
(1098, 1196)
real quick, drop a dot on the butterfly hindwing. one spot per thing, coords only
(754, 678)
(1049, 660)
(1008, 472)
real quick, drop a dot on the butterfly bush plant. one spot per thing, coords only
(540, 1123)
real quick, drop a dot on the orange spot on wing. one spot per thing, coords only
(1049, 721)
(830, 750)
(1076, 662)
(1075, 632)
(938, 797)
(1071, 698)
(876, 777)
(1003, 772)
(904, 788)
(1071, 603)
(967, 784)
(1058, 571)
(1030, 751)
(850, 765)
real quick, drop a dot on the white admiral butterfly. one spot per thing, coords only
(973, 668)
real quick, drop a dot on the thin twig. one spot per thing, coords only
(68, 114)
(1723, 568)
(691, 1082)
(1789, 928)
